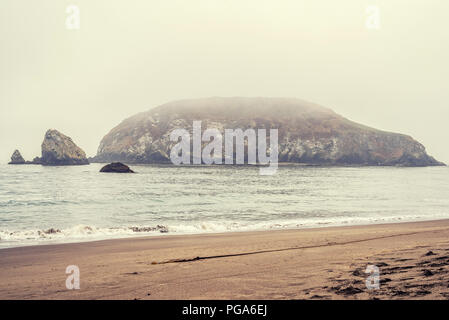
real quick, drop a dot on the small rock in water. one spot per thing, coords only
(162, 229)
(52, 230)
(116, 167)
(17, 158)
(36, 160)
(49, 231)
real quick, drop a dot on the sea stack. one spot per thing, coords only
(60, 150)
(17, 158)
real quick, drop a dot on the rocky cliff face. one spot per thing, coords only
(17, 158)
(308, 133)
(60, 150)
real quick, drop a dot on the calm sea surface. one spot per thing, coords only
(40, 205)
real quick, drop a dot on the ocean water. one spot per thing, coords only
(41, 205)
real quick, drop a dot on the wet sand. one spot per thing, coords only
(322, 263)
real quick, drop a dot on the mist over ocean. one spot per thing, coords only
(41, 205)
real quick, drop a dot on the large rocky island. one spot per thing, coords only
(308, 133)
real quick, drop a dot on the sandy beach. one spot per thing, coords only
(322, 263)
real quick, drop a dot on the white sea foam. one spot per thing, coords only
(81, 233)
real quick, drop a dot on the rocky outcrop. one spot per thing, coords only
(308, 133)
(116, 167)
(36, 160)
(60, 150)
(17, 158)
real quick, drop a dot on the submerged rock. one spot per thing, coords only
(160, 228)
(117, 167)
(49, 231)
(60, 150)
(17, 158)
(308, 133)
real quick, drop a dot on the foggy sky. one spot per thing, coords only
(129, 56)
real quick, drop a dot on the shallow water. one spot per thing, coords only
(81, 204)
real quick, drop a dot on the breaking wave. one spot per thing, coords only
(81, 233)
(73, 234)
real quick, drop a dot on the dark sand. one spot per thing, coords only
(324, 263)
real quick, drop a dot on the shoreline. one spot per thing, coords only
(51, 242)
(280, 164)
(308, 263)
